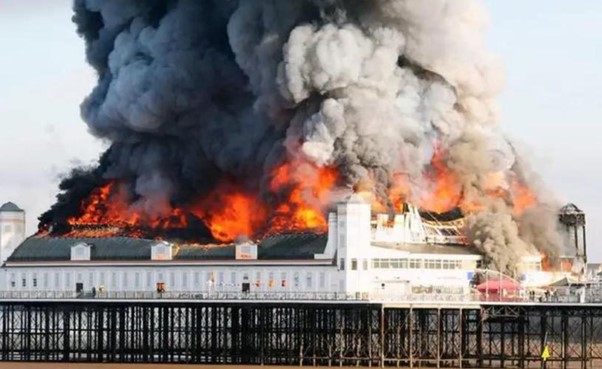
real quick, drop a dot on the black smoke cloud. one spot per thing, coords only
(171, 99)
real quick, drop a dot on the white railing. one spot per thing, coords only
(182, 295)
(590, 297)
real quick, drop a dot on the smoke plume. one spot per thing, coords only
(391, 94)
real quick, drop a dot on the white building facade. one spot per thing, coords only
(359, 257)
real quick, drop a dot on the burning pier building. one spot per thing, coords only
(363, 254)
(243, 122)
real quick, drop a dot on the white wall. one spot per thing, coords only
(261, 278)
(175, 278)
(354, 244)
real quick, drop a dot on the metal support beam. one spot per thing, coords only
(302, 334)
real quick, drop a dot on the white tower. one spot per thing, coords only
(12, 229)
(354, 237)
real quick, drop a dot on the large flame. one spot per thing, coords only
(446, 191)
(298, 197)
(229, 212)
(309, 192)
(108, 205)
(295, 198)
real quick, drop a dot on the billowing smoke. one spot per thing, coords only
(194, 92)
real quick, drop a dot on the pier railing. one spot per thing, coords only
(288, 296)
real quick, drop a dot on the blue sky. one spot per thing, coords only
(551, 50)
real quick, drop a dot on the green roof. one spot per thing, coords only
(10, 207)
(54, 248)
(292, 246)
(280, 247)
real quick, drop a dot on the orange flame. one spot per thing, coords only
(446, 192)
(522, 197)
(309, 190)
(229, 212)
(298, 196)
(108, 205)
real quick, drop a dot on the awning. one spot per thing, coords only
(564, 282)
(496, 285)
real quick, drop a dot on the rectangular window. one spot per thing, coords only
(101, 282)
(283, 279)
(91, 279)
(403, 264)
(432, 264)
(137, 280)
(34, 280)
(322, 280)
(309, 279)
(172, 280)
(257, 279)
(197, 279)
(149, 279)
(46, 282)
(233, 277)
(365, 264)
(385, 263)
(124, 281)
(342, 266)
(376, 263)
(68, 280)
(296, 279)
(415, 263)
(114, 280)
(57, 278)
(184, 279)
(353, 264)
(24, 282)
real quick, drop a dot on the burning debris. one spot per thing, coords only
(253, 117)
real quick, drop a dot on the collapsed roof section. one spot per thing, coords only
(415, 227)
